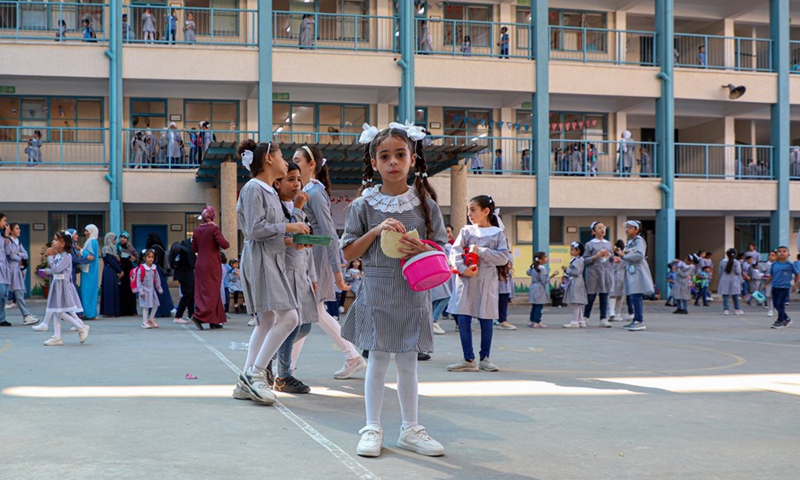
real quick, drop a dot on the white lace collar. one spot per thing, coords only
(391, 203)
(152, 268)
(264, 185)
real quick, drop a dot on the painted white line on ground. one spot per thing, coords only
(723, 339)
(334, 449)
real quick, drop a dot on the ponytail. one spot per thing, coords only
(321, 172)
(731, 254)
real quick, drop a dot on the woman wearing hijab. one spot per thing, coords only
(112, 272)
(166, 306)
(207, 241)
(127, 257)
(90, 273)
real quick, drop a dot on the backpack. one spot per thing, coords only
(174, 254)
(137, 276)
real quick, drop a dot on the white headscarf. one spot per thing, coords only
(93, 231)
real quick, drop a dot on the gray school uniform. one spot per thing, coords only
(35, 153)
(683, 282)
(539, 292)
(263, 265)
(445, 290)
(301, 274)
(754, 255)
(15, 253)
(730, 283)
(575, 293)
(478, 296)
(62, 297)
(387, 316)
(148, 287)
(148, 23)
(600, 272)
(326, 259)
(5, 278)
(189, 33)
(576, 161)
(618, 286)
(637, 272)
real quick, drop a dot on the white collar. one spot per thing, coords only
(14, 240)
(595, 240)
(149, 268)
(263, 185)
(391, 203)
(484, 232)
(289, 205)
(308, 186)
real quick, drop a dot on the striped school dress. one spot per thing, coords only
(387, 316)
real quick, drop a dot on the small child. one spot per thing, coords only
(440, 295)
(466, 46)
(498, 161)
(148, 26)
(683, 284)
(146, 282)
(189, 36)
(62, 301)
(618, 291)
(671, 277)
(766, 286)
(503, 43)
(61, 35)
(354, 276)
(782, 272)
(88, 31)
(505, 292)
(225, 284)
(235, 286)
(539, 292)
(575, 293)
(701, 283)
(172, 26)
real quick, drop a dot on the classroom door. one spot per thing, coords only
(140, 233)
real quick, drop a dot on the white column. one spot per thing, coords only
(251, 121)
(458, 196)
(729, 233)
(730, 148)
(229, 221)
(385, 114)
(506, 144)
(385, 36)
(619, 41)
(728, 30)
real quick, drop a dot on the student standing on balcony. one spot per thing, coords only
(148, 26)
(795, 162)
(34, 148)
(498, 162)
(645, 164)
(503, 43)
(577, 164)
(306, 38)
(174, 145)
(62, 31)
(425, 40)
(189, 28)
(172, 26)
(127, 29)
(701, 55)
(466, 46)
(88, 31)
(625, 155)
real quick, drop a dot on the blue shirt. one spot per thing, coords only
(781, 274)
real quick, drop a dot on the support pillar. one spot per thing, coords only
(265, 70)
(408, 26)
(665, 138)
(229, 222)
(780, 120)
(729, 232)
(540, 109)
(728, 31)
(212, 199)
(458, 197)
(619, 228)
(732, 163)
(115, 167)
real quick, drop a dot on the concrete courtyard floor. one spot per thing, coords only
(701, 396)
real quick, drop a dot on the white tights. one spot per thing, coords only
(406, 365)
(148, 314)
(268, 335)
(68, 317)
(330, 326)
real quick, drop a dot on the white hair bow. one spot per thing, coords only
(247, 159)
(368, 134)
(414, 132)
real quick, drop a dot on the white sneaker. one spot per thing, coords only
(341, 309)
(350, 368)
(726, 312)
(40, 328)
(770, 313)
(53, 342)
(604, 323)
(254, 382)
(583, 324)
(252, 322)
(371, 441)
(73, 329)
(573, 324)
(83, 333)
(240, 392)
(487, 365)
(417, 440)
(30, 320)
(437, 329)
(463, 366)
(628, 317)
(506, 326)
(739, 312)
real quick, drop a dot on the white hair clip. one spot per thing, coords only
(364, 183)
(368, 134)
(324, 161)
(575, 245)
(413, 132)
(247, 159)
(425, 175)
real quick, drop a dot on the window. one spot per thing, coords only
(570, 127)
(59, 221)
(752, 230)
(334, 119)
(566, 30)
(467, 122)
(420, 116)
(206, 16)
(190, 223)
(467, 20)
(524, 230)
(148, 113)
(62, 114)
(45, 16)
(221, 114)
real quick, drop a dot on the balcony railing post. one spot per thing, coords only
(212, 25)
(706, 158)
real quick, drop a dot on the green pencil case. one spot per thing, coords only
(323, 240)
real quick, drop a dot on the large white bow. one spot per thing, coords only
(368, 134)
(247, 159)
(414, 132)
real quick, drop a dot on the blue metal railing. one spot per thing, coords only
(741, 162)
(327, 31)
(173, 149)
(794, 163)
(590, 158)
(467, 38)
(53, 21)
(193, 25)
(600, 45)
(723, 53)
(794, 53)
(63, 147)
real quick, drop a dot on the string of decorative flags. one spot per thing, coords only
(554, 127)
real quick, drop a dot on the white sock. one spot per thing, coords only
(407, 387)
(257, 337)
(284, 322)
(57, 326)
(374, 383)
(330, 326)
(70, 317)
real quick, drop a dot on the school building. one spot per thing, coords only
(705, 88)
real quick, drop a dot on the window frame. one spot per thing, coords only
(79, 226)
(46, 123)
(316, 125)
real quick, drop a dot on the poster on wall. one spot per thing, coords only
(340, 200)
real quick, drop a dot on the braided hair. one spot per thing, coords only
(420, 170)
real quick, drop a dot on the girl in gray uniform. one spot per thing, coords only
(476, 292)
(618, 285)
(638, 281)
(387, 316)
(317, 184)
(147, 283)
(683, 284)
(267, 291)
(539, 292)
(599, 272)
(62, 301)
(730, 281)
(575, 294)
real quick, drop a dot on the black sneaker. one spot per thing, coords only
(787, 322)
(4, 323)
(779, 324)
(422, 357)
(290, 385)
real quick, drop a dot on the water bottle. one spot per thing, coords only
(239, 346)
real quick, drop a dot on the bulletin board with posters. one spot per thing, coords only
(523, 258)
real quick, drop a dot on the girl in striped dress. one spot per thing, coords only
(63, 300)
(387, 316)
(575, 293)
